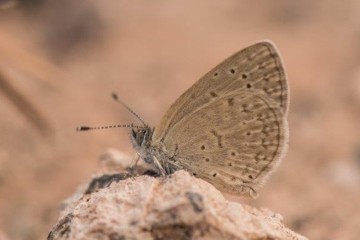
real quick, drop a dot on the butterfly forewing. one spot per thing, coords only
(255, 68)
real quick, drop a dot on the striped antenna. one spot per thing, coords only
(87, 128)
(115, 97)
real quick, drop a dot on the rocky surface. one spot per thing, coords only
(180, 206)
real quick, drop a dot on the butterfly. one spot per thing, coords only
(230, 128)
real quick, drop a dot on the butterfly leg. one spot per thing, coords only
(172, 166)
(158, 165)
(133, 165)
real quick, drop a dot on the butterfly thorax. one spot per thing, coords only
(150, 151)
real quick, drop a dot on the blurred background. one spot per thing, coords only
(60, 60)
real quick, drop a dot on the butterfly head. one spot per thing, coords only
(141, 136)
(141, 140)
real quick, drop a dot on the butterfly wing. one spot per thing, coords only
(255, 68)
(234, 142)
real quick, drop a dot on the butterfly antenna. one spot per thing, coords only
(87, 128)
(115, 97)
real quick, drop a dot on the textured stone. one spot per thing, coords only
(179, 206)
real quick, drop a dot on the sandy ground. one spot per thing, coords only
(65, 60)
